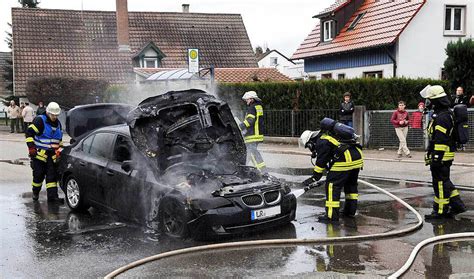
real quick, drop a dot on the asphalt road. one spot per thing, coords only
(42, 241)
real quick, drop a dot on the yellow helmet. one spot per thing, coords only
(433, 92)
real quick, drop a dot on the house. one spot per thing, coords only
(5, 58)
(109, 45)
(370, 38)
(274, 59)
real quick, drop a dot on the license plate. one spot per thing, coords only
(265, 213)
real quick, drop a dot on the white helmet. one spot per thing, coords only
(250, 95)
(53, 108)
(307, 135)
(432, 92)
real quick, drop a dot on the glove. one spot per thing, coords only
(32, 152)
(309, 181)
(57, 152)
(316, 177)
(437, 157)
(427, 159)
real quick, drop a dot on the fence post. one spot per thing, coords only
(358, 120)
(292, 123)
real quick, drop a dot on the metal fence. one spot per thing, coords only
(381, 132)
(378, 130)
(288, 123)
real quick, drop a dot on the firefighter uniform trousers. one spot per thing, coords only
(45, 170)
(446, 194)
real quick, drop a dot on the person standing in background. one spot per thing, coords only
(21, 122)
(28, 115)
(346, 109)
(14, 113)
(416, 119)
(459, 98)
(41, 109)
(400, 120)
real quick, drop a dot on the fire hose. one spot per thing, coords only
(269, 242)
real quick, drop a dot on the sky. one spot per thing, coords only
(276, 24)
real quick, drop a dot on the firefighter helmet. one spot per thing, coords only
(53, 108)
(433, 92)
(250, 95)
(307, 135)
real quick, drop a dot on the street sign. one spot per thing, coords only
(193, 60)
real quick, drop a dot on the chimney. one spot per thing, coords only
(123, 38)
(185, 8)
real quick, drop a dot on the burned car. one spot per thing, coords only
(176, 161)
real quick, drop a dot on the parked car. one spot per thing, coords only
(178, 164)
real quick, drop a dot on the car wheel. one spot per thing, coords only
(75, 195)
(173, 218)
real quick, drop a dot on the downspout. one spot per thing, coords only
(393, 60)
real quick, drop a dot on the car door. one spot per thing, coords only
(81, 165)
(122, 187)
(99, 155)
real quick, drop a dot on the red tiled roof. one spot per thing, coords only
(228, 75)
(231, 75)
(334, 7)
(84, 43)
(382, 24)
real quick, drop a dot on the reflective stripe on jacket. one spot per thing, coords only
(440, 131)
(253, 121)
(50, 138)
(327, 148)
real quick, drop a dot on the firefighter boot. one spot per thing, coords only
(326, 220)
(456, 205)
(350, 208)
(35, 195)
(435, 215)
(53, 196)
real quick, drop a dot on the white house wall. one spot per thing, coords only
(387, 71)
(421, 49)
(283, 65)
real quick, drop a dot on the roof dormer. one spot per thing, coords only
(149, 56)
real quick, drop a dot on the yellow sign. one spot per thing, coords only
(193, 54)
(193, 60)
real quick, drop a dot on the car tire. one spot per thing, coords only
(75, 195)
(173, 218)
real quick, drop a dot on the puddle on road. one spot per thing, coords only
(56, 232)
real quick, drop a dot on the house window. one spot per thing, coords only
(341, 76)
(326, 76)
(273, 61)
(355, 21)
(328, 26)
(150, 62)
(375, 74)
(454, 20)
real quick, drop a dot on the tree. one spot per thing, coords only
(258, 51)
(8, 68)
(458, 66)
(29, 3)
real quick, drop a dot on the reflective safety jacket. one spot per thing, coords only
(253, 122)
(336, 156)
(44, 135)
(440, 133)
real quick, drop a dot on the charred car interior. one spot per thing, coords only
(176, 162)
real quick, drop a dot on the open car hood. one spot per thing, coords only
(83, 119)
(189, 128)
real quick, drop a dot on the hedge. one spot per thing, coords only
(67, 92)
(375, 94)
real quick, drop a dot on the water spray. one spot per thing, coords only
(297, 193)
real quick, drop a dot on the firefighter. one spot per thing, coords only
(440, 154)
(337, 151)
(44, 141)
(253, 128)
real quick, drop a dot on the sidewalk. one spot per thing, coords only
(378, 163)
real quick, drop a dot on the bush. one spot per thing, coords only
(67, 92)
(458, 66)
(375, 94)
